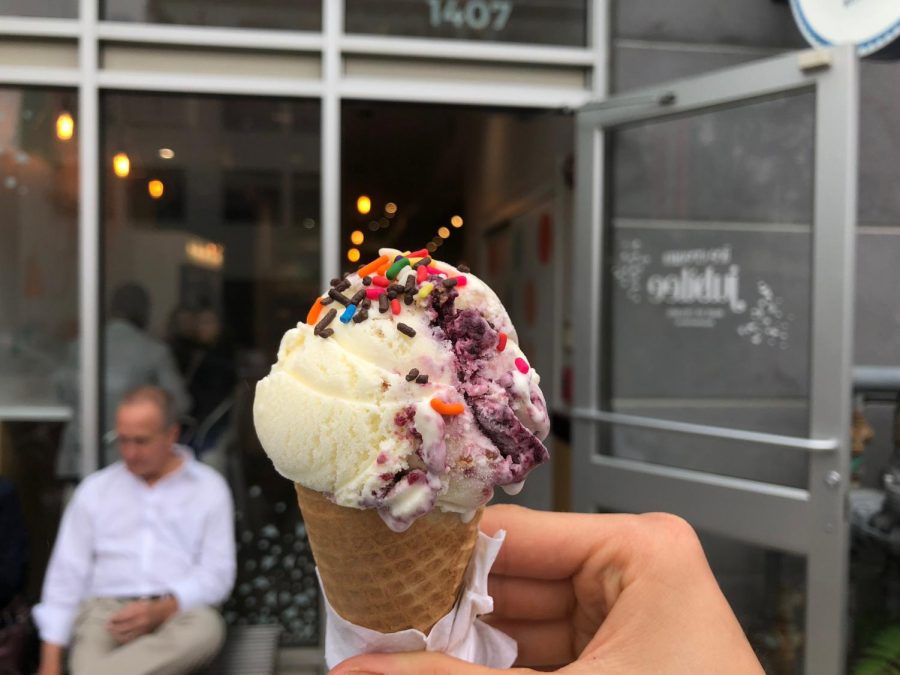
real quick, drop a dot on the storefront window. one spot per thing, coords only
(544, 22)
(211, 246)
(300, 15)
(56, 9)
(38, 313)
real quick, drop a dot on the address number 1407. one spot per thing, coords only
(473, 14)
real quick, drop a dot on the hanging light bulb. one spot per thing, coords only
(65, 126)
(156, 188)
(121, 165)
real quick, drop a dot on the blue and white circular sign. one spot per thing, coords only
(871, 25)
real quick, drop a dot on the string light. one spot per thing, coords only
(353, 254)
(363, 204)
(456, 221)
(156, 188)
(65, 126)
(121, 165)
(166, 153)
(357, 237)
(390, 208)
(443, 232)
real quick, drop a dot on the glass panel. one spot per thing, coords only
(211, 250)
(300, 15)
(551, 22)
(709, 254)
(767, 591)
(38, 323)
(57, 9)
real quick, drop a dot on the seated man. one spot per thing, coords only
(144, 552)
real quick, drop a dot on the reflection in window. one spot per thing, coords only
(550, 22)
(227, 254)
(300, 15)
(39, 132)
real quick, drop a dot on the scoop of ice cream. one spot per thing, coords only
(405, 390)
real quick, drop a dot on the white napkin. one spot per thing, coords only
(459, 633)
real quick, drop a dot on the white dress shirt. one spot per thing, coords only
(120, 537)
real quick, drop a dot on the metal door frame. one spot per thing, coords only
(810, 522)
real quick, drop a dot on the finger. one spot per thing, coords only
(517, 598)
(571, 537)
(541, 643)
(127, 625)
(124, 614)
(413, 663)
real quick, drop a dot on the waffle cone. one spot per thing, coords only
(384, 580)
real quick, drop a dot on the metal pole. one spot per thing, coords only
(330, 161)
(89, 238)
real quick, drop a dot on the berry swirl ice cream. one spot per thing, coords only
(405, 390)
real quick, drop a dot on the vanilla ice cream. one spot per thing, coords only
(405, 390)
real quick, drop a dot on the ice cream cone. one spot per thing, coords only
(384, 580)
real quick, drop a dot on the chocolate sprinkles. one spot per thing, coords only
(412, 374)
(358, 296)
(422, 379)
(342, 285)
(383, 304)
(423, 261)
(326, 332)
(327, 300)
(367, 281)
(410, 284)
(450, 283)
(337, 295)
(325, 320)
(409, 331)
(462, 267)
(360, 316)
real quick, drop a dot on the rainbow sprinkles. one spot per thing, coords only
(379, 281)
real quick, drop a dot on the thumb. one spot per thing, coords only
(415, 663)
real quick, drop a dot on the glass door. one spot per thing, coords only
(713, 286)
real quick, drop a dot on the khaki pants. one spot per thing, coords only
(182, 644)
